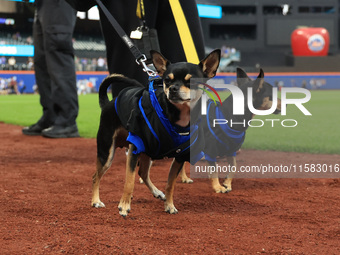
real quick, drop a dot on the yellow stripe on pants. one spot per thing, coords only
(184, 32)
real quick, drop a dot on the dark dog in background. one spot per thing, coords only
(224, 144)
(226, 141)
(147, 121)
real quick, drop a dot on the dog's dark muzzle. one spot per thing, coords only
(173, 90)
(174, 93)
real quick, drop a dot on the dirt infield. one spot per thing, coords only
(46, 193)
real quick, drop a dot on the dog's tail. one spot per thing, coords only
(118, 82)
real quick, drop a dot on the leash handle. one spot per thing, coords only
(140, 58)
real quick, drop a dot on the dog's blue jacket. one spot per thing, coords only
(151, 132)
(221, 140)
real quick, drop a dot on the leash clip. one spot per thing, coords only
(146, 69)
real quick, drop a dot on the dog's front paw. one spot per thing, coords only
(124, 208)
(141, 180)
(98, 204)
(187, 180)
(227, 185)
(158, 194)
(228, 188)
(220, 189)
(170, 208)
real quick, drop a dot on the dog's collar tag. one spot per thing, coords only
(186, 133)
(137, 34)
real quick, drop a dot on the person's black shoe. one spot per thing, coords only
(61, 132)
(34, 129)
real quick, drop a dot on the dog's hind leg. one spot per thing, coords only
(131, 164)
(184, 177)
(95, 202)
(103, 164)
(215, 182)
(108, 131)
(227, 182)
(144, 172)
(169, 190)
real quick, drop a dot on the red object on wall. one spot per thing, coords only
(311, 41)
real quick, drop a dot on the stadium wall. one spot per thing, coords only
(88, 82)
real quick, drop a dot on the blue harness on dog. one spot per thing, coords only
(151, 131)
(228, 139)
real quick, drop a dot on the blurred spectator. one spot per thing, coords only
(225, 51)
(93, 64)
(21, 86)
(13, 86)
(3, 86)
(77, 64)
(312, 83)
(35, 89)
(81, 85)
(280, 85)
(3, 60)
(30, 64)
(229, 56)
(85, 86)
(12, 62)
(16, 36)
(101, 64)
(29, 40)
(91, 87)
(83, 62)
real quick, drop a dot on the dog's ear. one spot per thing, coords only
(159, 61)
(258, 84)
(210, 64)
(242, 77)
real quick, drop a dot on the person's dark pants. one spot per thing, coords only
(159, 16)
(54, 62)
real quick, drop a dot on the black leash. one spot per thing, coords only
(140, 58)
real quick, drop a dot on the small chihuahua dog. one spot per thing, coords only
(153, 123)
(226, 141)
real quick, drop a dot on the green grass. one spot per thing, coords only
(318, 133)
(25, 110)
